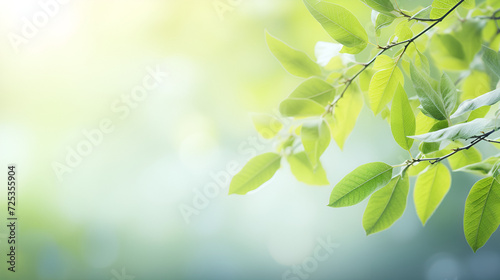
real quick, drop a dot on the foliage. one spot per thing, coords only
(434, 81)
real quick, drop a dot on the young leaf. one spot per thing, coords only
(383, 86)
(448, 93)
(360, 183)
(344, 116)
(314, 89)
(315, 138)
(266, 125)
(383, 6)
(482, 212)
(486, 99)
(482, 168)
(475, 85)
(256, 172)
(448, 52)
(402, 119)
(304, 172)
(340, 24)
(459, 131)
(295, 62)
(430, 189)
(492, 59)
(464, 158)
(300, 108)
(382, 21)
(441, 7)
(431, 101)
(386, 205)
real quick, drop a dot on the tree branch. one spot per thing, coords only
(476, 140)
(330, 107)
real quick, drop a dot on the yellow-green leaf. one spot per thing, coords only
(340, 24)
(383, 86)
(266, 125)
(482, 212)
(360, 183)
(430, 189)
(294, 61)
(256, 172)
(402, 119)
(304, 172)
(315, 138)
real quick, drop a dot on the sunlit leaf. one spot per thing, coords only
(300, 108)
(441, 7)
(295, 62)
(383, 6)
(464, 157)
(482, 212)
(402, 119)
(256, 172)
(344, 116)
(383, 86)
(315, 138)
(360, 183)
(340, 24)
(304, 172)
(430, 188)
(266, 125)
(314, 89)
(386, 205)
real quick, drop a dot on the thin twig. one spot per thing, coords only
(330, 107)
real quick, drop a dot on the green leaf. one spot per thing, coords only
(430, 189)
(315, 138)
(481, 168)
(344, 116)
(256, 172)
(266, 125)
(464, 157)
(492, 59)
(423, 13)
(360, 183)
(449, 94)
(475, 85)
(459, 131)
(429, 147)
(295, 62)
(386, 205)
(482, 212)
(402, 119)
(304, 172)
(448, 52)
(340, 24)
(314, 89)
(383, 86)
(470, 35)
(431, 101)
(300, 108)
(486, 99)
(441, 7)
(382, 21)
(383, 6)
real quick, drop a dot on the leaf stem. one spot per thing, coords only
(330, 107)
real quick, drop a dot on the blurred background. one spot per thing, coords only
(125, 120)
